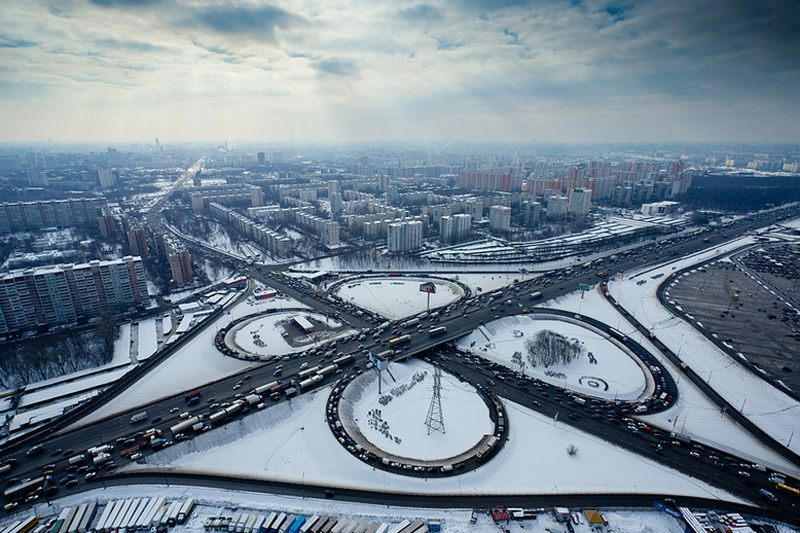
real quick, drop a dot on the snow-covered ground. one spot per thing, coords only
(693, 413)
(148, 339)
(97, 380)
(214, 502)
(196, 363)
(767, 407)
(397, 423)
(263, 335)
(395, 297)
(291, 441)
(614, 375)
(122, 345)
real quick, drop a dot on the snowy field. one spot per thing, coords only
(693, 413)
(615, 375)
(396, 298)
(398, 427)
(196, 364)
(212, 502)
(263, 335)
(292, 442)
(148, 339)
(767, 407)
(122, 345)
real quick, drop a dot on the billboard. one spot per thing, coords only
(428, 287)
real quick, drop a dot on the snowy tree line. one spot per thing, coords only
(549, 348)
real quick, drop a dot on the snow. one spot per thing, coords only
(73, 387)
(615, 376)
(292, 442)
(262, 335)
(396, 297)
(148, 339)
(694, 413)
(47, 412)
(122, 345)
(212, 502)
(769, 408)
(166, 324)
(195, 364)
(405, 433)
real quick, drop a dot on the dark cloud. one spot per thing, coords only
(618, 12)
(242, 20)
(421, 12)
(12, 42)
(514, 36)
(335, 67)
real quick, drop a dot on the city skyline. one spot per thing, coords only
(466, 71)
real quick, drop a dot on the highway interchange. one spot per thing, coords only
(463, 317)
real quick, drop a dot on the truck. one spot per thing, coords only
(328, 370)
(192, 395)
(680, 437)
(103, 448)
(139, 417)
(77, 459)
(309, 383)
(252, 399)
(441, 330)
(410, 323)
(394, 341)
(266, 388)
(101, 458)
(343, 360)
(184, 425)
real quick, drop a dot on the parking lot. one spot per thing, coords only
(749, 318)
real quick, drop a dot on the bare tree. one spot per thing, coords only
(549, 348)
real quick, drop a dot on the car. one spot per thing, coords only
(768, 495)
(157, 420)
(91, 474)
(10, 506)
(72, 482)
(135, 456)
(174, 410)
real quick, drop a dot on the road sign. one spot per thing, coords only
(428, 287)
(584, 287)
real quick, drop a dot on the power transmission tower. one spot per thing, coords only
(435, 419)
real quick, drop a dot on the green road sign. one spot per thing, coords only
(584, 287)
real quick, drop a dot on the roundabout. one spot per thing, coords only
(405, 429)
(274, 334)
(396, 297)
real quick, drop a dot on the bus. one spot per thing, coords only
(394, 341)
(441, 330)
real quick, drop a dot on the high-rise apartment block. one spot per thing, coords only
(455, 228)
(557, 206)
(231, 194)
(404, 236)
(580, 201)
(180, 264)
(63, 294)
(499, 218)
(137, 242)
(28, 216)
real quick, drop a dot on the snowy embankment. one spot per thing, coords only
(195, 364)
(394, 421)
(767, 407)
(693, 413)
(604, 371)
(397, 297)
(292, 442)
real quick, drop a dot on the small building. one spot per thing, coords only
(304, 323)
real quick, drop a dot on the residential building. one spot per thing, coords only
(455, 228)
(137, 242)
(63, 294)
(557, 206)
(404, 236)
(499, 218)
(31, 216)
(580, 201)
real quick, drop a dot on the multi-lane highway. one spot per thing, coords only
(463, 317)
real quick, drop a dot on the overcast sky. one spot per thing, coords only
(366, 70)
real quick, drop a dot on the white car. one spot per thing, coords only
(135, 456)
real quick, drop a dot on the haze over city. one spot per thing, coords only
(354, 266)
(365, 71)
